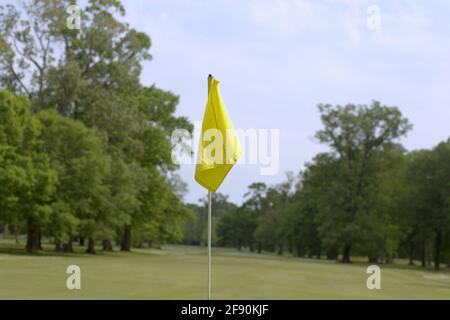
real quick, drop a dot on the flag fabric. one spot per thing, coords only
(219, 147)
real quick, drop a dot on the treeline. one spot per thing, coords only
(85, 150)
(367, 196)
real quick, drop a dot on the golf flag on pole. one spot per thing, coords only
(218, 151)
(219, 147)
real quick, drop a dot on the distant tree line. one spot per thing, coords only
(85, 149)
(85, 155)
(367, 196)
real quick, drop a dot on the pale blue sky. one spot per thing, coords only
(277, 60)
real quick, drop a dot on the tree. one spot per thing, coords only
(58, 66)
(428, 200)
(195, 228)
(382, 223)
(77, 155)
(273, 227)
(320, 205)
(92, 75)
(441, 211)
(355, 134)
(253, 208)
(237, 227)
(27, 182)
(301, 222)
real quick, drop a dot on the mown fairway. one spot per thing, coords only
(177, 272)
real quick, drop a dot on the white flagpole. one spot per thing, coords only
(209, 221)
(209, 245)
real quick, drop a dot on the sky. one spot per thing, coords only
(276, 60)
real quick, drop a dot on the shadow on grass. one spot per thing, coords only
(404, 266)
(10, 248)
(48, 251)
(19, 250)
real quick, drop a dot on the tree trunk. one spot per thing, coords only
(300, 251)
(58, 247)
(259, 247)
(68, 247)
(411, 255)
(280, 249)
(424, 255)
(81, 241)
(437, 251)
(373, 259)
(346, 253)
(39, 239)
(33, 242)
(126, 241)
(16, 233)
(332, 253)
(91, 246)
(318, 252)
(5, 230)
(107, 245)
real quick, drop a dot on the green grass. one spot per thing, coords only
(179, 272)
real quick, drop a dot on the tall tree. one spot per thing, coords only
(355, 133)
(27, 182)
(93, 75)
(78, 156)
(427, 201)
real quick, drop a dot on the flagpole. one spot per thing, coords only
(209, 220)
(206, 175)
(209, 245)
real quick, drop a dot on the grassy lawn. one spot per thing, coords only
(179, 272)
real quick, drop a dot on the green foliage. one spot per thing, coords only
(358, 137)
(85, 152)
(427, 213)
(195, 229)
(27, 180)
(98, 139)
(77, 155)
(367, 196)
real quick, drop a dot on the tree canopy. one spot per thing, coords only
(86, 146)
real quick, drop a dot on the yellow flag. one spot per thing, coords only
(219, 147)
